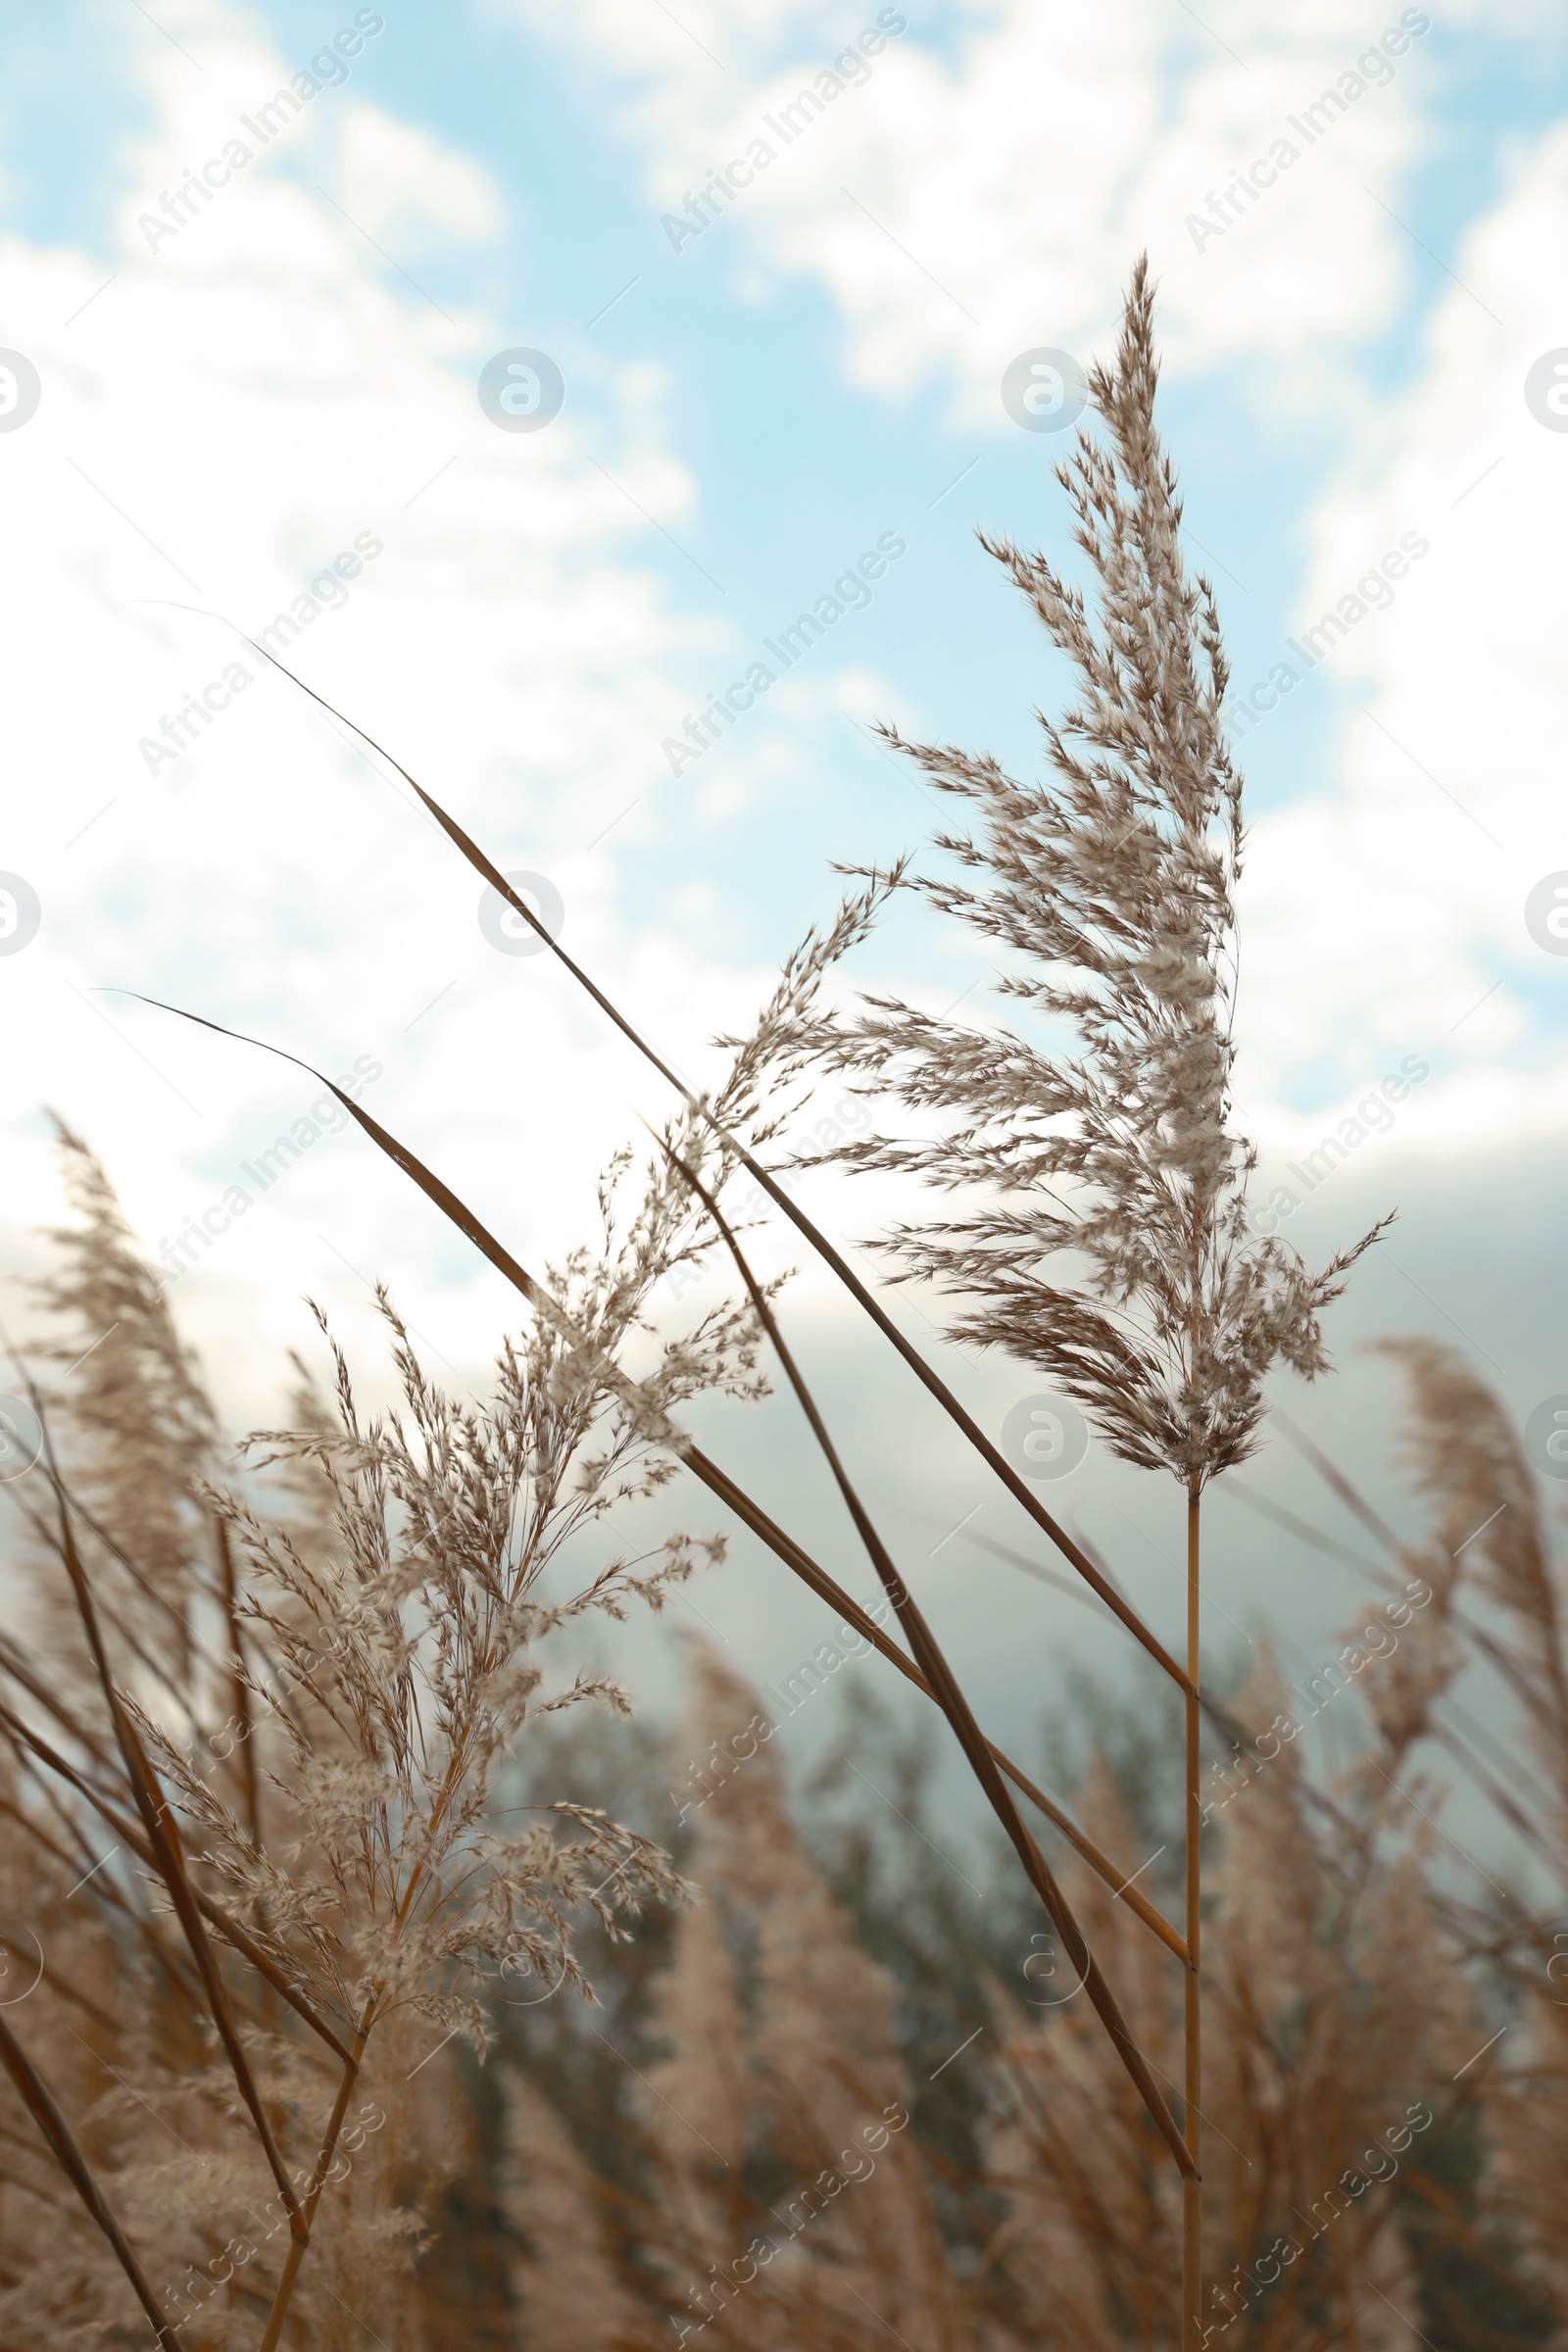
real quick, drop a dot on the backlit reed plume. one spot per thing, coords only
(1100, 1233)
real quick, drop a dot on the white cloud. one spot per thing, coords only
(395, 177)
(1006, 184)
(960, 208)
(229, 413)
(1386, 907)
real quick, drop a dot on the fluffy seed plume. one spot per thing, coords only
(1113, 887)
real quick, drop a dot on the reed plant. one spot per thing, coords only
(1100, 1232)
(267, 1740)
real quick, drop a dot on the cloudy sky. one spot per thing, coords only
(256, 328)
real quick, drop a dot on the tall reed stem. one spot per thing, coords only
(283, 2296)
(1191, 2185)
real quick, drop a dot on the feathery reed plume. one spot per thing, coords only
(782, 2199)
(782, 2051)
(1341, 2036)
(562, 2271)
(1466, 1459)
(131, 1405)
(1487, 1537)
(1485, 1540)
(1119, 874)
(1125, 877)
(388, 1656)
(1114, 889)
(1113, 886)
(1338, 2106)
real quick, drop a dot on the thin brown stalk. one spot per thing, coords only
(163, 1835)
(945, 1689)
(116, 1552)
(184, 1980)
(161, 1848)
(1191, 2017)
(144, 1658)
(817, 1579)
(893, 1582)
(35, 2096)
(58, 1983)
(239, 1686)
(284, 2294)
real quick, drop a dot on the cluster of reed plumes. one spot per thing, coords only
(255, 1865)
(266, 1903)
(263, 1714)
(1387, 2104)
